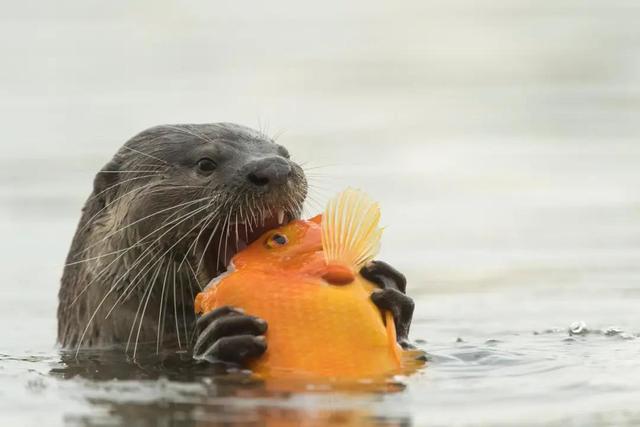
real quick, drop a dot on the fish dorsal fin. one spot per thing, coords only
(350, 232)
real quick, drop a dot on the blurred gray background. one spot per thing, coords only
(501, 138)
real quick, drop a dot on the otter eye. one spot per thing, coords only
(206, 166)
(277, 240)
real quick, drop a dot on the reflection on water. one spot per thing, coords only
(107, 365)
(175, 390)
(99, 388)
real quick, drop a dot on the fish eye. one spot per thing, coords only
(206, 166)
(277, 240)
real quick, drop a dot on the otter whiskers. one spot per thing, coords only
(150, 264)
(162, 310)
(188, 131)
(165, 215)
(145, 154)
(114, 286)
(112, 203)
(137, 243)
(149, 251)
(129, 225)
(119, 184)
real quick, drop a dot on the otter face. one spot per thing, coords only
(200, 193)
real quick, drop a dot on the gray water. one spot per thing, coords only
(500, 137)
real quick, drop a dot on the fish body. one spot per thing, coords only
(303, 280)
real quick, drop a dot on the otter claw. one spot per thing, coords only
(209, 317)
(401, 307)
(392, 296)
(385, 276)
(228, 335)
(236, 349)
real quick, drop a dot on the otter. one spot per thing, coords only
(165, 216)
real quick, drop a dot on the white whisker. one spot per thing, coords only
(145, 154)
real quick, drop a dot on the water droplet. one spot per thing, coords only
(578, 328)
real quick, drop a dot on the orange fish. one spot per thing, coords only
(303, 279)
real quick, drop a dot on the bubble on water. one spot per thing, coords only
(578, 328)
(612, 331)
(617, 332)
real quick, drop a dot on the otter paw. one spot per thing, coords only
(228, 335)
(391, 297)
(401, 307)
(384, 276)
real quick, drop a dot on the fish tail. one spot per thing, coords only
(350, 231)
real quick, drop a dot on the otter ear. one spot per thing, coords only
(105, 182)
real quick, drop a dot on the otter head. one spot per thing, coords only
(197, 194)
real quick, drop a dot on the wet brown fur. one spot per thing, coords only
(134, 265)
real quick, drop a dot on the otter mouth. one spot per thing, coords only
(218, 247)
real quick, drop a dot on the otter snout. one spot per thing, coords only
(268, 172)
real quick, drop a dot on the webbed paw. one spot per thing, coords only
(229, 335)
(391, 297)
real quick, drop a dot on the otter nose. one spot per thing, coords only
(269, 171)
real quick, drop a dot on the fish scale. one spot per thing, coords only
(314, 328)
(304, 282)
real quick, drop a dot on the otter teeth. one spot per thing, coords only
(280, 216)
